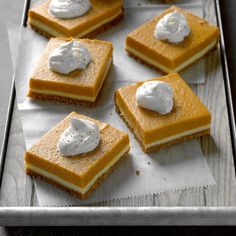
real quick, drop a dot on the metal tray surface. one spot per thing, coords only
(28, 216)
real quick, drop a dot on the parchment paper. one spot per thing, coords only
(178, 167)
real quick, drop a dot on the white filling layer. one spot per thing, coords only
(72, 186)
(178, 136)
(75, 96)
(40, 25)
(167, 139)
(180, 67)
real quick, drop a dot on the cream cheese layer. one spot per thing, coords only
(178, 136)
(69, 185)
(45, 28)
(178, 68)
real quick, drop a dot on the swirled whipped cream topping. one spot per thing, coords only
(68, 57)
(156, 96)
(81, 136)
(173, 27)
(66, 9)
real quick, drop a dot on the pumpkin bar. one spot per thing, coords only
(188, 119)
(77, 87)
(102, 15)
(79, 174)
(172, 57)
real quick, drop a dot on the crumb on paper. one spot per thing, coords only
(149, 163)
(137, 172)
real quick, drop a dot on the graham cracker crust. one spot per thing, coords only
(71, 101)
(71, 191)
(163, 72)
(164, 145)
(99, 30)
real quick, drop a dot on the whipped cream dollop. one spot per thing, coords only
(81, 136)
(68, 57)
(66, 9)
(156, 96)
(173, 27)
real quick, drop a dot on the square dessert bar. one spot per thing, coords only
(188, 119)
(172, 57)
(79, 174)
(102, 15)
(79, 86)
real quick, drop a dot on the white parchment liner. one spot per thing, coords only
(178, 167)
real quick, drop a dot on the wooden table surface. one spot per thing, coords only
(17, 189)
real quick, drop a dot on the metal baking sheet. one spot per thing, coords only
(27, 216)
